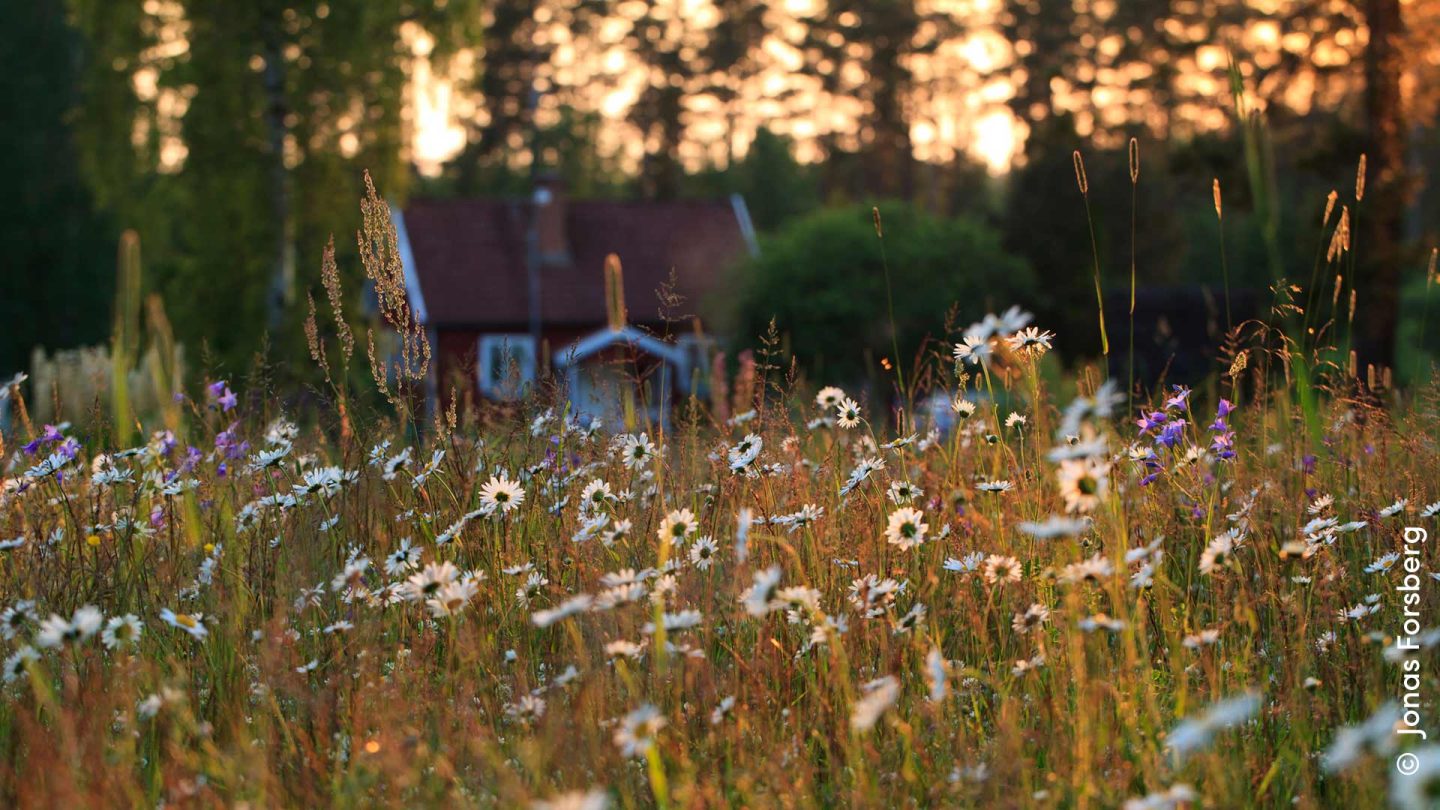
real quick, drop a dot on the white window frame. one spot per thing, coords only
(520, 342)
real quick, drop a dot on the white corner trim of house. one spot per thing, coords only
(747, 227)
(407, 261)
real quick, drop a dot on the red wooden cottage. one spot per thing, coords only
(509, 287)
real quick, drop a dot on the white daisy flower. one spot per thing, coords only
(937, 674)
(829, 397)
(1395, 508)
(745, 453)
(428, 581)
(880, 695)
(121, 630)
(702, 552)
(906, 528)
(500, 494)
(759, 598)
(637, 730)
(677, 526)
(1032, 618)
(973, 349)
(722, 710)
(17, 662)
(593, 799)
(1031, 343)
(1083, 483)
(1055, 526)
(405, 557)
(190, 623)
(1000, 569)
(452, 597)
(596, 495)
(83, 624)
(637, 452)
(1219, 552)
(570, 607)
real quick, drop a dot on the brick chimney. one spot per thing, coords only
(552, 240)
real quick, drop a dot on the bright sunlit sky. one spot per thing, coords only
(959, 102)
(960, 105)
(962, 111)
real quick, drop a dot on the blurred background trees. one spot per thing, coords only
(822, 279)
(54, 287)
(231, 136)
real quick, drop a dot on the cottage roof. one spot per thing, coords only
(470, 257)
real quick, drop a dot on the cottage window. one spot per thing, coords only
(507, 365)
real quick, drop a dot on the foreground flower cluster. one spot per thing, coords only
(1077, 603)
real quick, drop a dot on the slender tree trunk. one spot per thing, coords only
(891, 161)
(1382, 212)
(277, 109)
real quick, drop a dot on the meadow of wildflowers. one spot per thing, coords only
(1058, 601)
(1048, 592)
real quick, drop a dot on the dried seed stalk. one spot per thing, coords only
(380, 254)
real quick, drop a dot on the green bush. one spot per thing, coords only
(822, 279)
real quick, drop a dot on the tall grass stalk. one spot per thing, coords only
(1224, 260)
(617, 317)
(1351, 237)
(890, 313)
(1134, 204)
(1260, 168)
(1311, 299)
(125, 334)
(1083, 182)
(165, 371)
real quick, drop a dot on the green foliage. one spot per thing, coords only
(1419, 345)
(822, 279)
(1044, 222)
(1177, 239)
(55, 278)
(283, 105)
(775, 185)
